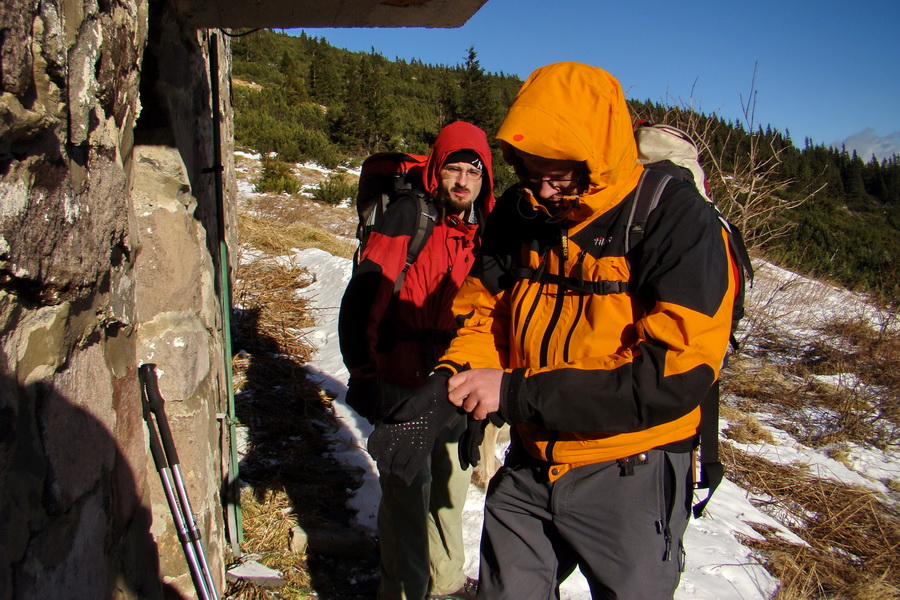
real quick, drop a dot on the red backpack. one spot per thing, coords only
(383, 177)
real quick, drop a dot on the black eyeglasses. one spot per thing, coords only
(557, 183)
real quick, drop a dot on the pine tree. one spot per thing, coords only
(326, 84)
(475, 103)
(366, 119)
(293, 85)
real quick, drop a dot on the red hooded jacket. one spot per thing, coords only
(399, 341)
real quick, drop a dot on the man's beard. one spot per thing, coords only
(453, 205)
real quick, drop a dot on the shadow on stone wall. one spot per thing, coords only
(290, 425)
(75, 521)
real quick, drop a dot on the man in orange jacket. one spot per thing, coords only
(597, 355)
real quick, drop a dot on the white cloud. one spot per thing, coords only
(867, 142)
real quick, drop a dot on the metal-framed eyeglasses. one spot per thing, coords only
(457, 171)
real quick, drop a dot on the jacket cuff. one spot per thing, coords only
(513, 408)
(452, 367)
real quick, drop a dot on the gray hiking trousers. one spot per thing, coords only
(623, 531)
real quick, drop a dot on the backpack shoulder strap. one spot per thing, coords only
(646, 196)
(427, 214)
(711, 470)
(427, 217)
(368, 216)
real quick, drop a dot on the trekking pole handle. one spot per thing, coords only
(156, 449)
(185, 527)
(156, 405)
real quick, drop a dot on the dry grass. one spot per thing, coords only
(311, 223)
(267, 522)
(289, 416)
(292, 476)
(853, 536)
(277, 238)
(862, 404)
(872, 353)
(845, 387)
(757, 383)
(271, 315)
(744, 428)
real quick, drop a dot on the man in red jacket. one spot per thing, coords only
(390, 343)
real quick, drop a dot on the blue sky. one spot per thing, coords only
(825, 70)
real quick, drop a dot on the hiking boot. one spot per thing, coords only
(468, 591)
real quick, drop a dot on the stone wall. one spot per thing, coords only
(108, 259)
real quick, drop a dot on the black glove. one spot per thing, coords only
(364, 396)
(470, 442)
(404, 440)
(471, 439)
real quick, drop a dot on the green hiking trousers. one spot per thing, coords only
(420, 525)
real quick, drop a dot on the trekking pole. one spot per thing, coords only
(166, 458)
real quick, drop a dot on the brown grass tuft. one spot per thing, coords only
(271, 314)
(756, 383)
(816, 411)
(853, 535)
(268, 519)
(279, 238)
(744, 428)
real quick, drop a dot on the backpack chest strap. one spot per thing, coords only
(601, 287)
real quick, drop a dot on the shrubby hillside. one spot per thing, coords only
(809, 428)
(819, 210)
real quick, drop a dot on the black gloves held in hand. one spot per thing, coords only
(417, 404)
(469, 447)
(364, 396)
(403, 441)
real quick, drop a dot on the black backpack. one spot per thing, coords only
(668, 152)
(646, 197)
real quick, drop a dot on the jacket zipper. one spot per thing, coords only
(581, 301)
(534, 304)
(551, 325)
(558, 304)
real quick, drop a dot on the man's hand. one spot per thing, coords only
(477, 391)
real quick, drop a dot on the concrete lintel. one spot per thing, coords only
(284, 14)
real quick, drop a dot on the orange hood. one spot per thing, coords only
(573, 111)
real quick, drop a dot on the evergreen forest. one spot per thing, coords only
(814, 209)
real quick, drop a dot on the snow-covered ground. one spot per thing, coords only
(719, 567)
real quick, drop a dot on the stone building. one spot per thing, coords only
(116, 213)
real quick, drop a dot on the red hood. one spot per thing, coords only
(460, 135)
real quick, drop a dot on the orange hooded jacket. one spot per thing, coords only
(591, 377)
